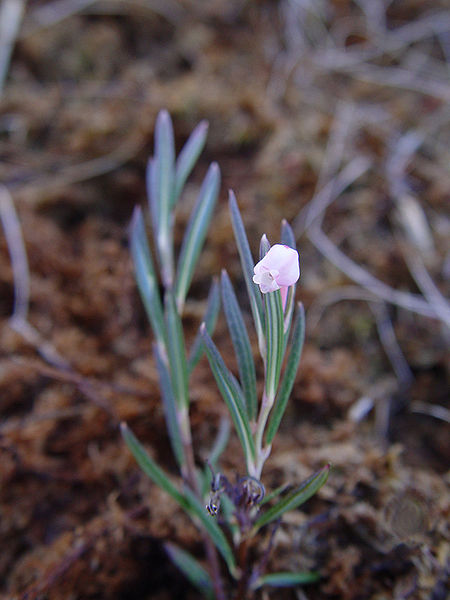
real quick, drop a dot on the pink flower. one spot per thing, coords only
(279, 269)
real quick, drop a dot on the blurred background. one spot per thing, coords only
(333, 114)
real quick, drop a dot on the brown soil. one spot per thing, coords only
(77, 518)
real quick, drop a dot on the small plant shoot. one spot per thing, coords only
(231, 510)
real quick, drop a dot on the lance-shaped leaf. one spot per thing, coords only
(274, 493)
(188, 157)
(287, 235)
(149, 466)
(151, 177)
(220, 442)
(146, 276)
(196, 232)
(165, 165)
(241, 344)
(198, 512)
(275, 341)
(165, 156)
(293, 359)
(210, 320)
(247, 264)
(176, 352)
(191, 569)
(285, 579)
(187, 500)
(288, 313)
(264, 246)
(170, 408)
(231, 394)
(294, 499)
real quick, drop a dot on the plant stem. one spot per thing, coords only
(262, 453)
(242, 556)
(193, 483)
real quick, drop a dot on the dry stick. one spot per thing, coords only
(433, 410)
(330, 297)
(11, 12)
(86, 170)
(426, 284)
(328, 194)
(396, 165)
(411, 302)
(19, 263)
(390, 344)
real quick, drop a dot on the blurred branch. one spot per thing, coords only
(21, 277)
(54, 12)
(11, 12)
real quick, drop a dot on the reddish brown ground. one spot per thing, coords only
(77, 518)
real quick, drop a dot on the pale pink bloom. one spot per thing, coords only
(279, 269)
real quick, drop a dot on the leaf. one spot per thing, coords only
(191, 569)
(176, 352)
(195, 234)
(197, 511)
(165, 156)
(170, 408)
(149, 466)
(285, 579)
(187, 501)
(294, 499)
(293, 360)
(287, 235)
(220, 442)
(210, 319)
(288, 313)
(275, 341)
(151, 176)
(188, 157)
(247, 264)
(165, 173)
(146, 276)
(241, 344)
(264, 247)
(231, 394)
(274, 493)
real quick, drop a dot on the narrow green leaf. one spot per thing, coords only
(188, 501)
(165, 165)
(220, 442)
(296, 498)
(198, 511)
(191, 569)
(286, 579)
(188, 157)
(264, 246)
(210, 319)
(295, 352)
(176, 352)
(247, 264)
(151, 176)
(231, 394)
(287, 235)
(149, 466)
(195, 234)
(170, 408)
(241, 344)
(275, 340)
(274, 493)
(165, 155)
(146, 276)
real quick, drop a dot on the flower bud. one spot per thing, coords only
(278, 269)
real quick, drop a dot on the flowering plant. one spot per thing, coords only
(235, 512)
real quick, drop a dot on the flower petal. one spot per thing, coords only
(278, 268)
